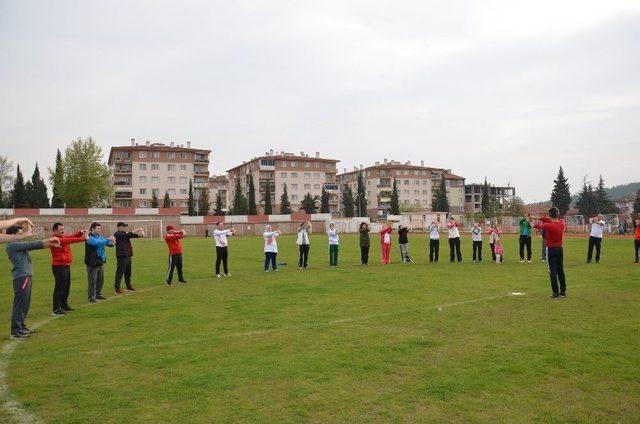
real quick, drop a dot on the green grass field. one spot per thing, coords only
(403, 343)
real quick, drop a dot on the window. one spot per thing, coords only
(155, 167)
(183, 155)
(425, 192)
(416, 172)
(293, 164)
(406, 172)
(183, 167)
(171, 155)
(416, 182)
(183, 204)
(171, 167)
(316, 164)
(155, 179)
(171, 180)
(267, 162)
(172, 191)
(143, 166)
(183, 180)
(406, 192)
(284, 163)
(406, 182)
(424, 182)
(142, 155)
(155, 155)
(294, 175)
(294, 197)
(307, 186)
(143, 203)
(416, 192)
(294, 186)
(307, 175)
(172, 203)
(316, 175)
(143, 191)
(155, 191)
(283, 175)
(183, 191)
(316, 186)
(307, 164)
(405, 201)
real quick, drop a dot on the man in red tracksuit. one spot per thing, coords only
(61, 259)
(173, 239)
(553, 228)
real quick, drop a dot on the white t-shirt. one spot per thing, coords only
(476, 234)
(597, 228)
(334, 238)
(221, 237)
(453, 231)
(434, 233)
(270, 243)
(303, 237)
(387, 238)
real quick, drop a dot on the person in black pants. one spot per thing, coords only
(434, 242)
(303, 244)
(222, 253)
(525, 238)
(553, 229)
(454, 240)
(61, 259)
(365, 243)
(124, 252)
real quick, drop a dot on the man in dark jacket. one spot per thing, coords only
(124, 252)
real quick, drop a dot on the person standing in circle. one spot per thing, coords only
(334, 245)
(554, 228)
(222, 253)
(525, 237)
(454, 240)
(595, 237)
(494, 237)
(476, 236)
(385, 242)
(434, 241)
(270, 248)
(365, 243)
(303, 244)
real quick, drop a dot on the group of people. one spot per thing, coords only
(16, 230)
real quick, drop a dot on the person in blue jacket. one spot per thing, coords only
(95, 257)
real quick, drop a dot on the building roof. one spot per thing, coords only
(395, 165)
(218, 178)
(285, 156)
(450, 176)
(156, 146)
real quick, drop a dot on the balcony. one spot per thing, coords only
(200, 159)
(331, 186)
(384, 199)
(122, 183)
(122, 170)
(200, 185)
(119, 159)
(122, 195)
(384, 185)
(200, 171)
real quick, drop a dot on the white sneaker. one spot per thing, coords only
(218, 276)
(276, 270)
(227, 275)
(521, 261)
(529, 261)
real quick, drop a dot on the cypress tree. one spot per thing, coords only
(394, 205)
(203, 202)
(239, 200)
(191, 201)
(166, 203)
(39, 198)
(324, 201)
(586, 203)
(603, 203)
(285, 206)
(268, 207)
(154, 199)
(309, 203)
(253, 209)
(441, 203)
(218, 208)
(57, 182)
(560, 196)
(486, 204)
(362, 199)
(19, 193)
(347, 202)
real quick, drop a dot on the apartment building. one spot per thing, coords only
(218, 184)
(139, 170)
(417, 185)
(301, 173)
(473, 196)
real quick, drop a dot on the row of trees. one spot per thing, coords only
(591, 201)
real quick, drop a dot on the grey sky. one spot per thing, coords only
(506, 89)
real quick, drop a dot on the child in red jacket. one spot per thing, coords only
(385, 241)
(173, 238)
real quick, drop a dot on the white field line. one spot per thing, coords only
(20, 414)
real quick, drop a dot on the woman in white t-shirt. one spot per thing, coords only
(270, 248)
(434, 241)
(334, 245)
(303, 244)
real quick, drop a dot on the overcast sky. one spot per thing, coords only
(504, 89)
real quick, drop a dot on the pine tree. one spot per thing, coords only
(394, 206)
(38, 197)
(362, 198)
(239, 200)
(348, 203)
(309, 203)
(56, 178)
(154, 199)
(603, 203)
(268, 207)
(586, 204)
(203, 202)
(285, 206)
(19, 193)
(486, 204)
(218, 208)
(253, 209)
(441, 203)
(191, 201)
(324, 201)
(560, 196)
(166, 203)
(29, 194)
